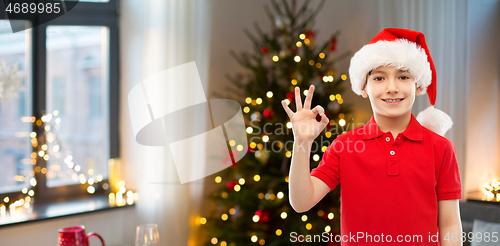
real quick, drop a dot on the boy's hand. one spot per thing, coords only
(304, 124)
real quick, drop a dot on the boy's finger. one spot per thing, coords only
(298, 100)
(288, 111)
(324, 119)
(307, 103)
(318, 110)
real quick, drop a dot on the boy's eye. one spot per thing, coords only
(404, 77)
(378, 78)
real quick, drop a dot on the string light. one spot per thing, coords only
(218, 179)
(283, 215)
(308, 226)
(296, 58)
(254, 238)
(342, 122)
(246, 109)
(330, 216)
(239, 147)
(276, 58)
(280, 195)
(256, 218)
(237, 188)
(322, 55)
(302, 36)
(294, 82)
(269, 94)
(249, 130)
(256, 178)
(203, 220)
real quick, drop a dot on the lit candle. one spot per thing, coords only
(114, 169)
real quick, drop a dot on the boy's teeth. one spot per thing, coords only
(391, 101)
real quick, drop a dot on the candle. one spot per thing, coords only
(114, 168)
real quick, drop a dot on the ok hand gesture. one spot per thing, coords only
(304, 124)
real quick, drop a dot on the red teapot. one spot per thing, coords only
(75, 236)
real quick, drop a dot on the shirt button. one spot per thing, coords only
(387, 139)
(392, 152)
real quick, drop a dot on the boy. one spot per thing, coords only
(400, 180)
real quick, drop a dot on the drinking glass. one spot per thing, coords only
(147, 235)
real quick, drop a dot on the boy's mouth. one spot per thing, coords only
(393, 100)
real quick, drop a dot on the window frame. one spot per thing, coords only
(83, 14)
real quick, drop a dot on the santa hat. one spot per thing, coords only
(402, 49)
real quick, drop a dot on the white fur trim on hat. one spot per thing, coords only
(401, 54)
(435, 120)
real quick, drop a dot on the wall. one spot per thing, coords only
(117, 227)
(483, 114)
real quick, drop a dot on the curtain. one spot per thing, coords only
(157, 35)
(444, 24)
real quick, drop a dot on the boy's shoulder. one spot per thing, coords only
(435, 138)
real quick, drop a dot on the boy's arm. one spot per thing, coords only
(450, 225)
(305, 191)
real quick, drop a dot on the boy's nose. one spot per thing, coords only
(391, 86)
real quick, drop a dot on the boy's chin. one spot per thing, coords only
(391, 114)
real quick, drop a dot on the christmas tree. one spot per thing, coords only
(252, 206)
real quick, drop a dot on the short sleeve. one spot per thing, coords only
(448, 183)
(328, 169)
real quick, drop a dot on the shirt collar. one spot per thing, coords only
(412, 132)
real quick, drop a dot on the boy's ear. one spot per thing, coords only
(418, 90)
(364, 93)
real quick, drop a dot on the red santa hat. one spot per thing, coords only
(402, 49)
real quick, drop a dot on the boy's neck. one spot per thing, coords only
(393, 124)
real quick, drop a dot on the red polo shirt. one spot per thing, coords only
(390, 187)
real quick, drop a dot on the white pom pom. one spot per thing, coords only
(435, 120)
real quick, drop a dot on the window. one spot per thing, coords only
(70, 68)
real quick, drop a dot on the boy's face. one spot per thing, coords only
(386, 83)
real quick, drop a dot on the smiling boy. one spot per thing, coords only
(403, 184)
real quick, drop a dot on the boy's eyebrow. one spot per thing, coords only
(376, 71)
